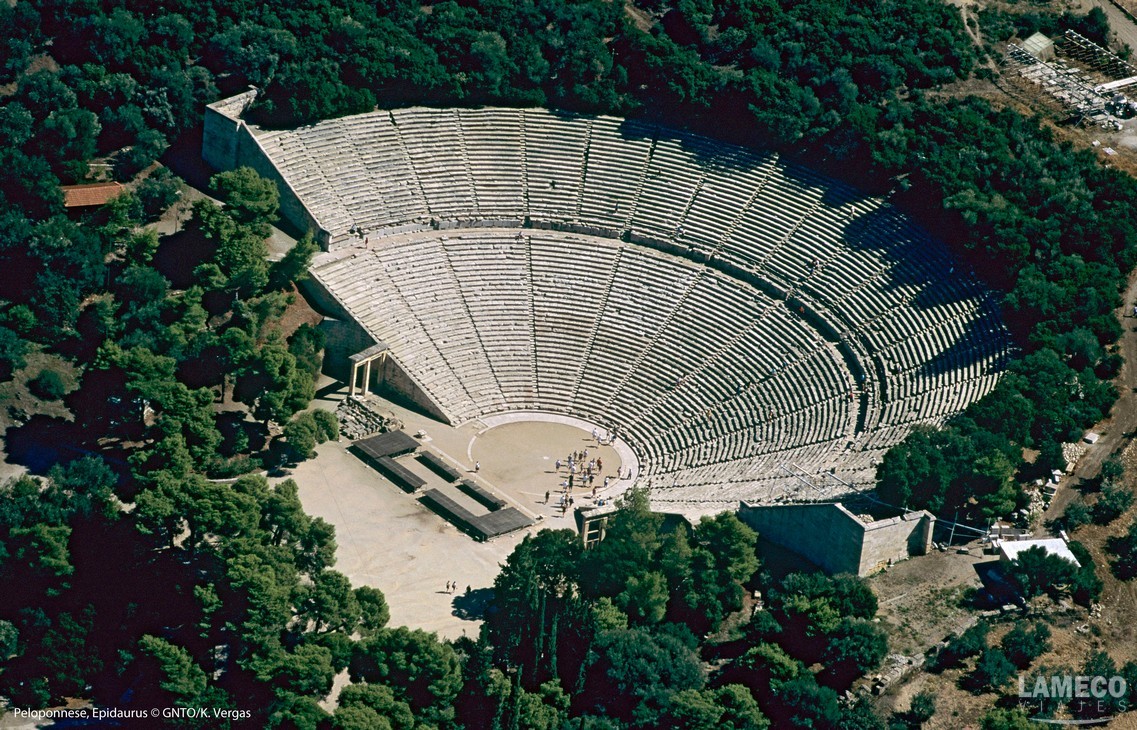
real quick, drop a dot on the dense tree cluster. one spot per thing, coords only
(608, 637)
(223, 595)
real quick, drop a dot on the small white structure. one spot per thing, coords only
(1091, 437)
(1010, 549)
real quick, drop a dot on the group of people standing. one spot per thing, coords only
(582, 472)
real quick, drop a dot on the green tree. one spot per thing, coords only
(731, 707)
(644, 600)
(9, 640)
(293, 266)
(329, 604)
(269, 380)
(422, 671)
(1124, 549)
(1023, 644)
(856, 647)
(381, 704)
(48, 385)
(992, 672)
(1036, 571)
(1114, 500)
(250, 200)
(534, 595)
(182, 682)
(639, 672)
(12, 351)
(1076, 515)
(300, 433)
(374, 613)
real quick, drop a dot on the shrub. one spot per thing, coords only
(969, 643)
(327, 426)
(922, 707)
(300, 433)
(48, 385)
(1023, 644)
(1076, 515)
(992, 672)
(1124, 547)
(1114, 500)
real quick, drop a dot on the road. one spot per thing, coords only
(1124, 28)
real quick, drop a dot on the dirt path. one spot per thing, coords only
(972, 30)
(1120, 424)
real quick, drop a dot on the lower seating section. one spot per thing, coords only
(753, 330)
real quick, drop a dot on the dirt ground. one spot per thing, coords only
(920, 598)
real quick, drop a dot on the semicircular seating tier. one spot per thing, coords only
(752, 330)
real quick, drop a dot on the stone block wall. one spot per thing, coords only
(836, 540)
(228, 142)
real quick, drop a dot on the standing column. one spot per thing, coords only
(367, 379)
(354, 377)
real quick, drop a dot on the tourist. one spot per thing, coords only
(546, 496)
(477, 466)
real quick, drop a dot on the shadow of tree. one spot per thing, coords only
(472, 605)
